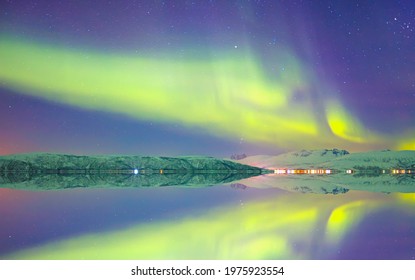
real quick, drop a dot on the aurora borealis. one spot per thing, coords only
(210, 78)
(206, 77)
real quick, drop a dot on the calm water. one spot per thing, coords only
(219, 222)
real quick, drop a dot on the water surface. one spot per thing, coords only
(213, 222)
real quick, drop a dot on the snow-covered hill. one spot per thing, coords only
(335, 159)
(368, 174)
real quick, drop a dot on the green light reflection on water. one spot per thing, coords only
(283, 226)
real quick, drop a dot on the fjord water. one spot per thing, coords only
(216, 222)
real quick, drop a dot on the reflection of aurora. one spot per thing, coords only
(285, 227)
(229, 95)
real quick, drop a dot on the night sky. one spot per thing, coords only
(206, 77)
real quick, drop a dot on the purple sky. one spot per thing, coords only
(360, 53)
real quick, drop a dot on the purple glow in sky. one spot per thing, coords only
(206, 77)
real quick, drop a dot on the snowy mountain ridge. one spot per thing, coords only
(335, 159)
(372, 171)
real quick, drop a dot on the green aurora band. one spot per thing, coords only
(290, 226)
(228, 95)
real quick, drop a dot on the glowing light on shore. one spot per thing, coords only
(282, 171)
(303, 171)
(402, 171)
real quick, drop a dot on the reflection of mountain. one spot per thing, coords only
(295, 183)
(372, 171)
(334, 184)
(52, 171)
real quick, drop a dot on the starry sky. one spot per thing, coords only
(206, 77)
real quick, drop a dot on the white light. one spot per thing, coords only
(135, 171)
